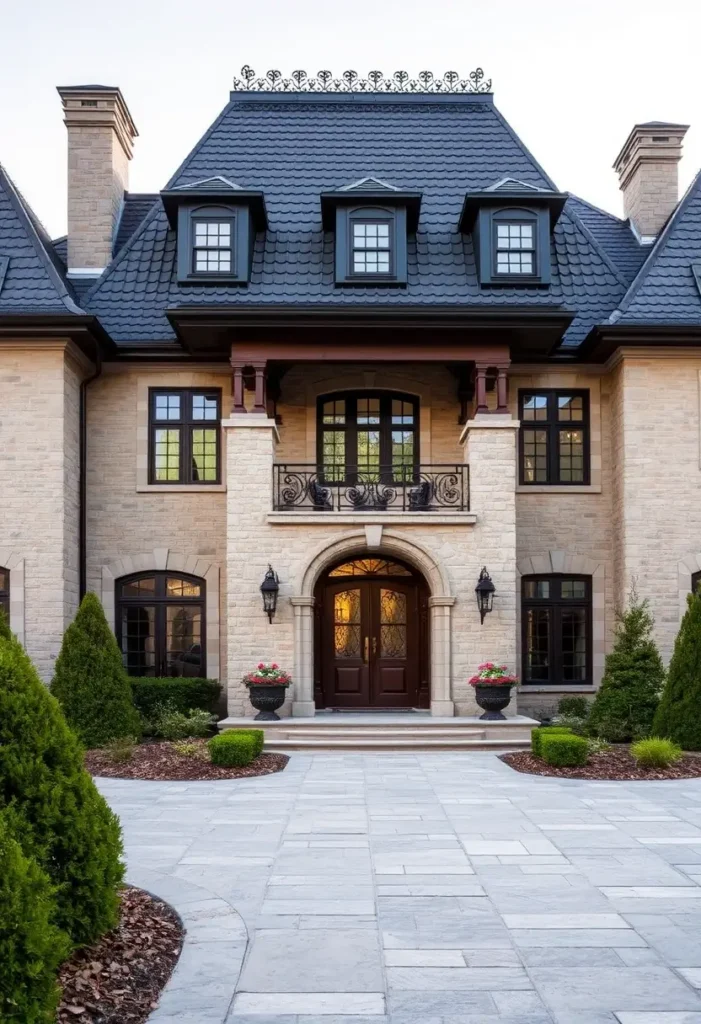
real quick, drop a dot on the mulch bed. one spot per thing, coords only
(119, 979)
(161, 762)
(612, 765)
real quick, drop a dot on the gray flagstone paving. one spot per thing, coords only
(435, 888)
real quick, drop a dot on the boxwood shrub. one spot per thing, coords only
(235, 748)
(31, 946)
(545, 730)
(180, 694)
(564, 750)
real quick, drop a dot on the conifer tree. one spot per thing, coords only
(678, 717)
(625, 704)
(90, 681)
(52, 804)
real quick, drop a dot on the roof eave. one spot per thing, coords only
(603, 341)
(86, 331)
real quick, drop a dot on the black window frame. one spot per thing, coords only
(186, 424)
(695, 580)
(350, 430)
(213, 218)
(555, 603)
(372, 218)
(553, 426)
(5, 591)
(160, 600)
(515, 221)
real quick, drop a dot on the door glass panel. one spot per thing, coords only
(574, 645)
(392, 624)
(369, 454)
(346, 624)
(403, 454)
(538, 645)
(183, 640)
(138, 640)
(334, 454)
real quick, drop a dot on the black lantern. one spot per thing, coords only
(269, 589)
(485, 590)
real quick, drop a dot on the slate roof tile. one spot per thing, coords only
(615, 236)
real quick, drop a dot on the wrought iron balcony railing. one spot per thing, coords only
(437, 488)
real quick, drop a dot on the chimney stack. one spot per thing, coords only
(101, 137)
(647, 172)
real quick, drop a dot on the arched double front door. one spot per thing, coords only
(371, 636)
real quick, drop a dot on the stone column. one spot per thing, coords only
(250, 452)
(491, 452)
(441, 661)
(303, 705)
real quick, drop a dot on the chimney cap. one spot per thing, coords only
(99, 105)
(644, 128)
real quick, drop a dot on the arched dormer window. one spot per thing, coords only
(368, 436)
(515, 243)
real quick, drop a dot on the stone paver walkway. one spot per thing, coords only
(434, 888)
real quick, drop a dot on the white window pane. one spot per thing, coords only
(383, 262)
(224, 262)
(371, 242)
(527, 263)
(514, 230)
(359, 262)
(502, 232)
(359, 232)
(372, 230)
(527, 234)
(383, 232)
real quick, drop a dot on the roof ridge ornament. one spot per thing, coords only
(351, 81)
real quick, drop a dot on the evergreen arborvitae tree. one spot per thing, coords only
(32, 948)
(678, 717)
(51, 802)
(90, 682)
(5, 632)
(625, 704)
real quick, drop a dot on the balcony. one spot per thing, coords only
(420, 490)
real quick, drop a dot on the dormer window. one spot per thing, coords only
(213, 251)
(372, 246)
(514, 246)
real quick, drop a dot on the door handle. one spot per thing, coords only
(366, 654)
(374, 645)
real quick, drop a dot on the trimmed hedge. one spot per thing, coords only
(544, 730)
(179, 693)
(234, 748)
(31, 947)
(257, 735)
(90, 682)
(52, 804)
(563, 750)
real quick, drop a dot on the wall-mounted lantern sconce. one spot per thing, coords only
(269, 589)
(485, 591)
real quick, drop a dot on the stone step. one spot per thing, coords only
(282, 744)
(380, 732)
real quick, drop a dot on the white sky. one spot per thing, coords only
(571, 76)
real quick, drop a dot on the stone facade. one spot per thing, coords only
(39, 385)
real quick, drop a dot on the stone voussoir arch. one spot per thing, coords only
(158, 560)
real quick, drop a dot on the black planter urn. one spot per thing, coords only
(493, 700)
(266, 699)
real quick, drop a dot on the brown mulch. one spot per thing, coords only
(161, 762)
(119, 979)
(611, 765)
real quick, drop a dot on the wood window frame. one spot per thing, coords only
(213, 218)
(518, 220)
(373, 217)
(185, 425)
(5, 592)
(160, 600)
(555, 603)
(350, 430)
(552, 425)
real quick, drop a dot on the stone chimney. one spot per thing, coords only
(647, 172)
(101, 137)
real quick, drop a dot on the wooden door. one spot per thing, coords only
(370, 644)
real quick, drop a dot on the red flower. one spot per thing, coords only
(273, 665)
(261, 664)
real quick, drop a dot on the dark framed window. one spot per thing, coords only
(554, 437)
(556, 620)
(184, 436)
(367, 436)
(161, 624)
(514, 247)
(213, 245)
(5, 592)
(695, 581)
(371, 246)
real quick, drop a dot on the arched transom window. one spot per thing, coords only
(160, 624)
(368, 436)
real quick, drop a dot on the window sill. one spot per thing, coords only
(558, 489)
(381, 518)
(555, 688)
(180, 488)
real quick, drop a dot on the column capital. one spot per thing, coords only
(489, 421)
(251, 419)
(302, 602)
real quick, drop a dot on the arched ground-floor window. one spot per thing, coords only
(160, 624)
(556, 617)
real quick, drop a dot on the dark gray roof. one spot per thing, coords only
(294, 148)
(666, 291)
(136, 206)
(615, 236)
(33, 281)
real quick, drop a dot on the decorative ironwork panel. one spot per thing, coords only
(351, 81)
(392, 624)
(307, 488)
(346, 624)
(370, 567)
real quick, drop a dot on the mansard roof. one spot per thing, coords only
(31, 275)
(296, 146)
(668, 288)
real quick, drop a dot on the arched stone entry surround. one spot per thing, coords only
(440, 603)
